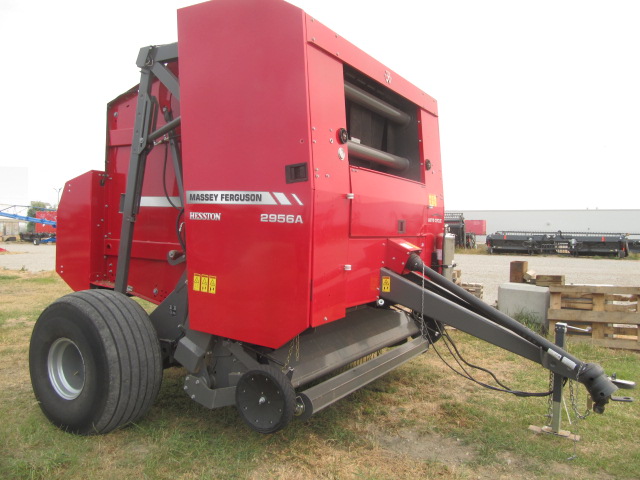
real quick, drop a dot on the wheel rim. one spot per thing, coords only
(66, 368)
(265, 401)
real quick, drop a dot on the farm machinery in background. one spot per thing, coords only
(45, 225)
(560, 243)
(277, 194)
(465, 231)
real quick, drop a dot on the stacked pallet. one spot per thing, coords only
(549, 280)
(476, 289)
(610, 313)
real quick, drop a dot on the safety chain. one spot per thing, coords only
(574, 404)
(574, 407)
(550, 401)
(295, 344)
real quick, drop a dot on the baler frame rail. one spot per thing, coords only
(152, 62)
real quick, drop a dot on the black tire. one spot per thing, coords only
(36, 241)
(95, 362)
(265, 399)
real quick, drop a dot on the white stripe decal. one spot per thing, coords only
(159, 202)
(297, 199)
(282, 198)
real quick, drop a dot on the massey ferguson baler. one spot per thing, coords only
(277, 193)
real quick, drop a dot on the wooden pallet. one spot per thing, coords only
(611, 313)
(549, 280)
(476, 289)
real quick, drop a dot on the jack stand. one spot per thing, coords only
(556, 397)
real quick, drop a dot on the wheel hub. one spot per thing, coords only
(66, 368)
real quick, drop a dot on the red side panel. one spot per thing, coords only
(331, 180)
(80, 232)
(430, 155)
(245, 118)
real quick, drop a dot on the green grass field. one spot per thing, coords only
(420, 421)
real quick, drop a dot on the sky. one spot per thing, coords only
(539, 101)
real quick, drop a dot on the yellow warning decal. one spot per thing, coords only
(386, 284)
(204, 283)
(433, 200)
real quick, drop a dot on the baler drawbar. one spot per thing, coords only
(276, 193)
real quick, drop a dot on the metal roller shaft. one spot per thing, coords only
(371, 154)
(376, 105)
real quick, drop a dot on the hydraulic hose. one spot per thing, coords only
(591, 375)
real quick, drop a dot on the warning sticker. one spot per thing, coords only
(204, 283)
(386, 284)
(433, 200)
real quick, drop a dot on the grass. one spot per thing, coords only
(419, 421)
(530, 320)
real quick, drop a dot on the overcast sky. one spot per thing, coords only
(539, 101)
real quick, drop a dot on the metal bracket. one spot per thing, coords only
(199, 391)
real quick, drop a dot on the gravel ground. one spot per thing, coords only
(493, 270)
(26, 256)
(489, 270)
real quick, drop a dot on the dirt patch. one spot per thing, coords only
(418, 446)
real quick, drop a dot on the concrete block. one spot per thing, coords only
(516, 298)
